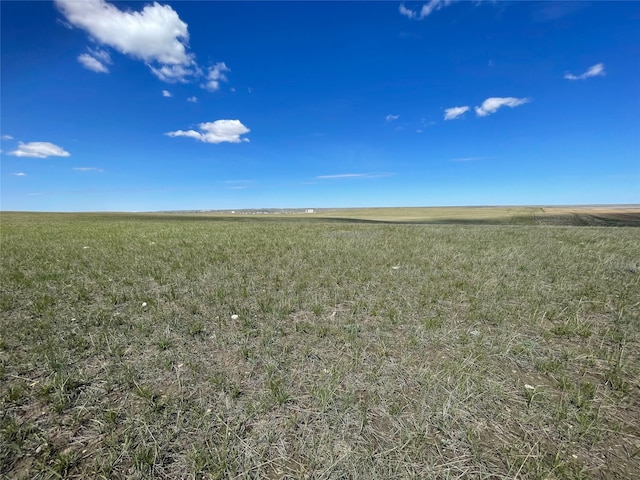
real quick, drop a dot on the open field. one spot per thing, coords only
(594, 216)
(311, 346)
(574, 216)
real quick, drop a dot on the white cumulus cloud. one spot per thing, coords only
(39, 150)
(455, 112)
(216, 132)
(391, 118)
(215, 76)
(166, 93)
(426, 9)
(491, 105)
(155, 35)
(596, 70)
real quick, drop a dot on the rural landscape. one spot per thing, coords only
(364, 240)
(365, 344)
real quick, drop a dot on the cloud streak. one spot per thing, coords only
(467, 159)
(493, 104)
(352, 175)
(90, 63)
(455, 112)
(96, 60)
(426, 10)
(88, 169)
(220, 131)
(39, 150)
(596, 70)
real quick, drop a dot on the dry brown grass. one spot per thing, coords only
(591, 216)
(520, 215)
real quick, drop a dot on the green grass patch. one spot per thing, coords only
(196, 346)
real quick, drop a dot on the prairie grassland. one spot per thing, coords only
(596, 216)
(443, 215)
(592, 216)
(150, 346)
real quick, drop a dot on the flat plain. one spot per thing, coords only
(374, 343)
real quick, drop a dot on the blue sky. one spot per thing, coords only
(132, 106)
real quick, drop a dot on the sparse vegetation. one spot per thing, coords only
(175, 346)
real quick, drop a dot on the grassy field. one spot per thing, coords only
(569, 216)
(204, 346)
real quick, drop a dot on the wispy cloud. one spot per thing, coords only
(216, 132)
(391, 118)
(174, 73)
(455, 112)
(467, 159)
(90, 63)
(407, 12)
(352, 175)
(239, 184)
(596, 70)
(409, 34)
(87, 169)
(96, 60)
(192, 99)
(19, 174)
(426, 10)
(491, 105)
(238, 181)
(550, 11)
(39, 150)
(155, 35)
(166, 93)
(215, 76)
